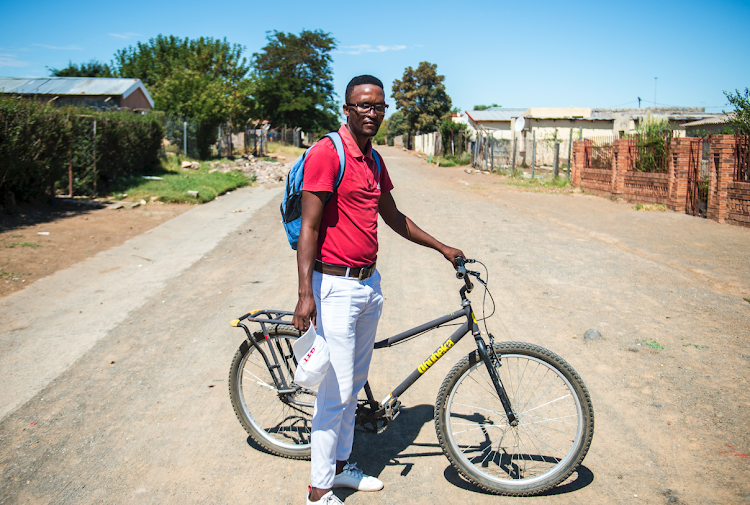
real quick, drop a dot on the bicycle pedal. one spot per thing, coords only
(392, 409)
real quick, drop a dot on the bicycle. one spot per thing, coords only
(512, 418)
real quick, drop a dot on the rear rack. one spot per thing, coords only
(271, 317)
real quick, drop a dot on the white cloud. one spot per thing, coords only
(10, 60)
(367, 48)
(64, 48)
(125, 35)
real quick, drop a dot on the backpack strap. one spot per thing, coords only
(377, 162)
(339, 145)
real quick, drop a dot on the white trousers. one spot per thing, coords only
(348, 314)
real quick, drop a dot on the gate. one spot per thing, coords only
(698, 178)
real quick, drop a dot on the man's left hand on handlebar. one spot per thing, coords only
(451, 253)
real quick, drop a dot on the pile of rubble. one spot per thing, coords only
(265, 171)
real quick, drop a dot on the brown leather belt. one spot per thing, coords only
(360, 273)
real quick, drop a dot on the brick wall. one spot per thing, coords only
(728, 201)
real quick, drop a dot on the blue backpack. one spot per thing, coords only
(291, 205)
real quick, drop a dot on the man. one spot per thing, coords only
(339, 287)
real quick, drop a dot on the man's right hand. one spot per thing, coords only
(305, 312)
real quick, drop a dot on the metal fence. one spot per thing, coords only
(650, 152)
(742, 158)
(599, 153)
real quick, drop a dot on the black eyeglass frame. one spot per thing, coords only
(365, 108)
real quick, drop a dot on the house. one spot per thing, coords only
(713, 125)
(544, 126)
(100, 92)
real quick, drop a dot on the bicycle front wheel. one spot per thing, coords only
(279, 420)
(555, 420)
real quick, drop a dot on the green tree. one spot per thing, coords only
(93, 68)
(485, 107)
(421, 96)
(740, 121)
(205, 79)
(294, 80)
(397, 124)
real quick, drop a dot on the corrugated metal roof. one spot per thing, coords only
(72, 86)
(721, 119)
(495, 114)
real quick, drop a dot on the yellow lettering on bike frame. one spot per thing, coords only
(474, 318)
(439, 352)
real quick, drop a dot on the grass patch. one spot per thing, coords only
(651, 343)
(7, 275)
(279, 148)
(21, 244)
(177, 182)
(547, 182)
(651, 206)
(273, 160)
(454, 161)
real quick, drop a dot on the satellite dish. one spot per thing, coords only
(520, 123)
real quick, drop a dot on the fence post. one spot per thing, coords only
(492, 153)
(557, 159)
(570, 150)
(513, 164)
(95, 177)
(184, 137)
(533, 153)
(70, 172)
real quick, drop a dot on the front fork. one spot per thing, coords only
(482, 348)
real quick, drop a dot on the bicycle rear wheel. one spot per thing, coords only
(281, 422)
(555, 420)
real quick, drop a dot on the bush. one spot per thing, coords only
(38, 140)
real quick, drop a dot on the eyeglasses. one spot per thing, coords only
(365, 108)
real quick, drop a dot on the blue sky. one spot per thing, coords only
(516, 54)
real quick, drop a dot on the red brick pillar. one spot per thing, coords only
(579, 161)
(679, 164)
(620, 166)
(722, 167)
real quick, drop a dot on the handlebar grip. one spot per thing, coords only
(461, 269)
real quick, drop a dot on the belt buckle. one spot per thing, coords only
(365, 272)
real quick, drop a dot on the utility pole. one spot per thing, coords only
(639, 102)
(655, 80)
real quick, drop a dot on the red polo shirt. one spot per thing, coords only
(349, 226)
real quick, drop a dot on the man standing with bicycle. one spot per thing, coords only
(339, 286)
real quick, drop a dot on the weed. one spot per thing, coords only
(651, 206)
(747, 300)
(21, 244)
(651, 343)
(696, 346)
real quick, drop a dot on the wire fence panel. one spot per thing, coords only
(178, 131)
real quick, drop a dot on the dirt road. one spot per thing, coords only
(137, 410)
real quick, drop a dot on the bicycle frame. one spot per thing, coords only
(389, 406)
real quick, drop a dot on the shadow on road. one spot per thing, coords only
(582, 478)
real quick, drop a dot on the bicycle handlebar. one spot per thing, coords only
(462, 273)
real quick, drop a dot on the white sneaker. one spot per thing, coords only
(327, 499)
(354, 478)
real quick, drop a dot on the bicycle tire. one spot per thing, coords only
(281, 423)
(542, 450)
